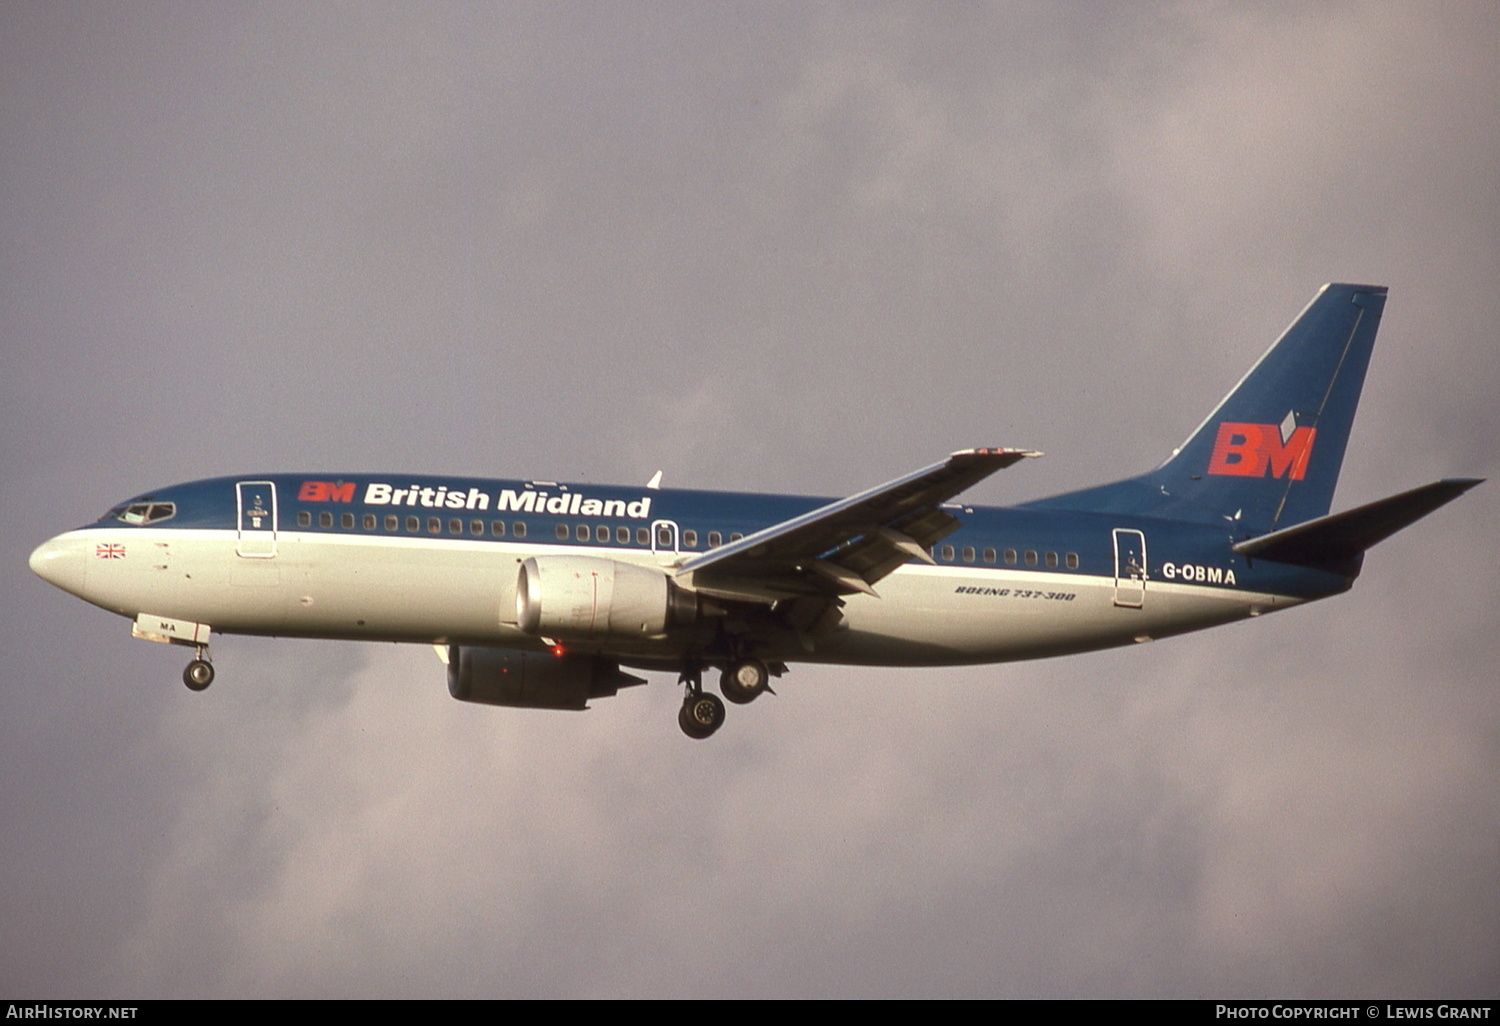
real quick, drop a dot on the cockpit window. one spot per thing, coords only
(141, 513)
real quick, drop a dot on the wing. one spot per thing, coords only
(846, 546)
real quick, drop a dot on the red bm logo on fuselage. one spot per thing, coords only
(327, 491)
(1255, 450)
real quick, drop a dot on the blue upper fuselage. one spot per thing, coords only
(435, 509)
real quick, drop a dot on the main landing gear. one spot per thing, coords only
(702, 712)
(200, 672)
(745, 680)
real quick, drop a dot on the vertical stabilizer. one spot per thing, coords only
(1269, 455)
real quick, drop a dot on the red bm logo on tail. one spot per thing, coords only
(1253, 450)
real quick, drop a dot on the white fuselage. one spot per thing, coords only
(460, 591)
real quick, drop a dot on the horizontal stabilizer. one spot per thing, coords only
(1334, 540)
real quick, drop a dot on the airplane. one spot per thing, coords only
(540, 594)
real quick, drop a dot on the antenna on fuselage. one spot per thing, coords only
(655, 481)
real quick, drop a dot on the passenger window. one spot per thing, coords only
(968, 553)
(642, 536)
(989, 556)
(413, 524)
(582, 532)
(947, 553)
(1051, 559)
(736, 536)
(369, 521)
(304, 519)
(1010, 557)
(476, 528)
(434, 525)
(1031, 557)
(664, 537)
(562, 532)
(497, 528)
(325, 519)
(455, 526)
(392, 522)
(690, 539)
(715, 539)
(347, 520)
(1072, 560)
(601, 533)
(518, 529)
(622, 535)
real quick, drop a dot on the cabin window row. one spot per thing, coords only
(600, 533)
(415, 524)
(1012, 557)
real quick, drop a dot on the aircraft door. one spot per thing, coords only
(255, 507)
(1130, 568)
(664, 541)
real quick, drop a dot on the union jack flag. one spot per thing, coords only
(110, 551)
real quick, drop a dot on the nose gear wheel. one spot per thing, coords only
(199, 673)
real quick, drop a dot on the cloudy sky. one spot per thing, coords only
(776, 247)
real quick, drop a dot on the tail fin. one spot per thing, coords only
(1269, 455)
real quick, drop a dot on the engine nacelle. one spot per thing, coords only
(584, 597)
(532, 680)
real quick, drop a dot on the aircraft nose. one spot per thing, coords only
(61, 561)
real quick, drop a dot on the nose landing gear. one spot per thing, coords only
(200, 672)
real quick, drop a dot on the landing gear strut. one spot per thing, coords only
(200, 672)
(702, 712)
